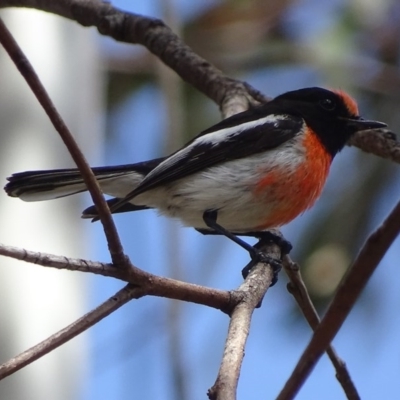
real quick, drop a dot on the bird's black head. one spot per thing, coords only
(332, 115)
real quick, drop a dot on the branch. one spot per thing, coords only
(29, 74)
(128, 293)
(240, 304)
(380, 142)
(151, 285)
(231, 95)
(365, 264)
(299, 291)
(252, 291)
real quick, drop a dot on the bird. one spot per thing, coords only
(253, 171)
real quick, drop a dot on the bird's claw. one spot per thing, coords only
(260, 257)
(284, 245)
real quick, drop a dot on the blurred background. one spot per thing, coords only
(124, 106)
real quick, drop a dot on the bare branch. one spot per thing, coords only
(151, 285)
(365, 264)
(62, 262)
(231, 95)
(299, 291)
(252, 291)
(29, 74)
(128, 293)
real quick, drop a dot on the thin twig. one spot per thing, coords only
(128, 293)
(29, 74)
(299, 291)
(349, 290)
(252, 292)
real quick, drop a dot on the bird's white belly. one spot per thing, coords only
(228, 188)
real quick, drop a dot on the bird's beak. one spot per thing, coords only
(359, 124)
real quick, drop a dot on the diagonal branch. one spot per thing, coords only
(128, 293)
(29, 74)
(231, 95)
(365, 264)
(299, 291)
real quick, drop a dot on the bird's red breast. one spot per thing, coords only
(296, 191)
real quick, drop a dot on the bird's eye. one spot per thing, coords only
(327, 104)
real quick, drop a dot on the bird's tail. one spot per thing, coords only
(52, 184)
(45, 185)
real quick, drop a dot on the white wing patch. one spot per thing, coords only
(222, 134)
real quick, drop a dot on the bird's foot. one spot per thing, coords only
(282, 243)
(266, 236)
(257, 256)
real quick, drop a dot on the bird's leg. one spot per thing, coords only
(210, 219)
(265, 236)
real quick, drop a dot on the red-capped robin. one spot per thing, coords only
(256, 170)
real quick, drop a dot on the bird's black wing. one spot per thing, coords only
(242, 135)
